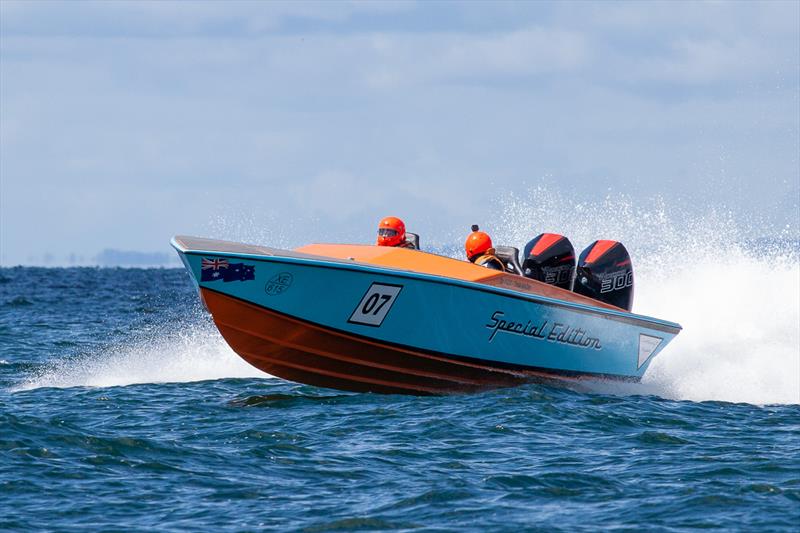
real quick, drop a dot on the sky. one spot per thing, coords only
(282, 123)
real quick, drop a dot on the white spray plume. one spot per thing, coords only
(739, 307)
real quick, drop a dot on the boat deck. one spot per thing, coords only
(401, 259)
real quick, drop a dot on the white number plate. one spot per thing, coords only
(647, 345)
(375, 304)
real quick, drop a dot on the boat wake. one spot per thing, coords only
(194, 353)
(738, 300)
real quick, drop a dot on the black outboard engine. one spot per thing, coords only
(550, 258)
(605, 273)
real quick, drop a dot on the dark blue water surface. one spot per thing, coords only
(261, 453)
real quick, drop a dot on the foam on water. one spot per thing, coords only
(741, 338)
(196, 352)
(739, 308)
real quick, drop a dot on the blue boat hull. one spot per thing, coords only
(355, 326)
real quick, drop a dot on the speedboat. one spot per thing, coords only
(401, 321)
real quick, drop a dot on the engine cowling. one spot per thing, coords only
(550, 258)
(605, 273)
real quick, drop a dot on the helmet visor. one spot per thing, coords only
(386, 232)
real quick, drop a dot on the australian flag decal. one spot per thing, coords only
(222, 269)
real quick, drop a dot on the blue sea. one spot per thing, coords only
(122, 409)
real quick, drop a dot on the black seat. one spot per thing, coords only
(510, 258)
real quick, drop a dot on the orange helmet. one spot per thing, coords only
(477, 243)
(391, 232)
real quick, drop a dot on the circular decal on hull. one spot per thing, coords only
(278, 284)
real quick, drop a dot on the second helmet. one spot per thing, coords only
(477, 243)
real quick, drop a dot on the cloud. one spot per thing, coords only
(171, 19)
(348, 112)
(337, 194)
(688, 44)
(406, 59)
(703, 61)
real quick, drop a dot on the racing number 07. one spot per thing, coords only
(375, 301)
(375, 304)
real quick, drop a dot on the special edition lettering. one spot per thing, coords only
(556, 332)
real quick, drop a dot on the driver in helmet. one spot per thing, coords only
(392, 232)
(480, 251)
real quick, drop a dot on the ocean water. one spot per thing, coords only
(121, 408)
